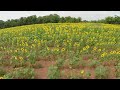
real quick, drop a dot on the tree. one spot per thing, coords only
(79, 19)
(62, 20)
(1, 24)
(40, 19)
(52, 18)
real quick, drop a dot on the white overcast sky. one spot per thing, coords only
(85, 15)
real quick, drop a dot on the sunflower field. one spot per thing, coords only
(72, 50)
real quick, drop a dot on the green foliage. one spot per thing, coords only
(32, 57)
(74, 62)
(2, 72)
(109, 20)
(82, 63)
(53, 72)
(88, 74)
(101, 72)
(113, 20)
(73, 75)
(52, 18)
(118, 70)
(60, 62)
(93, 63)
(20, 73)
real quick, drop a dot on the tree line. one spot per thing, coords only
(52, 18)
(109, 20)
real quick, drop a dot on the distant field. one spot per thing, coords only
(60, 51)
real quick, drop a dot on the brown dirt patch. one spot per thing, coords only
(6, 57)
(112, 72)
(7, 68)
(41, 73)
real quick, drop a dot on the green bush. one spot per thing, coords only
(74, 62)
(20, 73)
(60, 62)
(101, 72)
(53, 72)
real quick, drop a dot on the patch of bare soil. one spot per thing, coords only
(6, 57)
(7, 68)
(41, 73)
(112, 72)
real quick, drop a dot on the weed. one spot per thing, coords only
(93, 63)
(53, 72)
(88, 74)
(74, 62)
(20, 73)
(101, 72)
(60, 62)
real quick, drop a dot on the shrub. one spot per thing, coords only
(101, 72)
(53, 72)
(74, 62)
(20, 73)
(60, 62)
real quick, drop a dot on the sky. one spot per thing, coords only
(85, 15)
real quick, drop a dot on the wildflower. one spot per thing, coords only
(76, 44)
(84, 48)
(21, 58)
(57, 49)
(112, 52)
(82, 71)
(35, 40)
(33, 45)
(15, 57)
(22, 49)
(48, 48)
(102, 55)
(15, 50)
(1, 78)
(63, 49)
(94, 48)
(26, 44)
(25, 50)
(99, 50)
(87, 46)
(118, 52)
